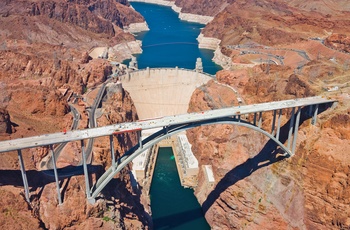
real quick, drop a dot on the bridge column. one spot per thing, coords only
(254, 118)
(278, 125)
(273, 123)
(260, 119)
(139, 136)
(24, 175)
(56, 176)
(112, 151)
(291, 124)
(296, 127)
(314, 118)
(310, 110)
(86, 173)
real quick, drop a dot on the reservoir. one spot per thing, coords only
(170, 43)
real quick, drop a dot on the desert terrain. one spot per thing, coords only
(276, 49)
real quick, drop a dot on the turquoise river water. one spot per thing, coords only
(170, 43)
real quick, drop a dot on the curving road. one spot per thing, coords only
(76, 117)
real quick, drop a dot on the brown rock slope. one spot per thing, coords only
(43, 63)
(300, 49)
(256, 187)
(253, 31)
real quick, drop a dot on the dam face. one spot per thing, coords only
(158, 92)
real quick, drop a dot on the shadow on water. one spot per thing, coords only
(167, 222)
(269, 154)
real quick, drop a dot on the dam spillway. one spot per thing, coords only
(158, 92)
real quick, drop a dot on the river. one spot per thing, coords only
(173, 207)
(170, 43)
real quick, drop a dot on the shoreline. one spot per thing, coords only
(201, 19)
(203, 42)
(212, 43)
(127, 50)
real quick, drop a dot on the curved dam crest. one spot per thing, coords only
(158, 92)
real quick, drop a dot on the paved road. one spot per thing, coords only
(76, 117)
(93, 122)
(74, 135)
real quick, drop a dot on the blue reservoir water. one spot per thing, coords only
(173, 207)
(170, 41)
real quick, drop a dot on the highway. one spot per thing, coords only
(75, 135)
(92, 121)
(76, 117)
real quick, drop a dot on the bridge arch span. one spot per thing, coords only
(165, 133)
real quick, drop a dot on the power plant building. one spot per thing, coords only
(188, 161)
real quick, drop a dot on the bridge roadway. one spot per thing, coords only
(169, 125)
(75, 135)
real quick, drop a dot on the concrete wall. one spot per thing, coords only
(161, 92)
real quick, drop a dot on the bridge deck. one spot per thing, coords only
(74, 135)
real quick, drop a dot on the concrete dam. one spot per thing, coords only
(158, 92)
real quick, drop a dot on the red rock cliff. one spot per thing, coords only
(256, 187)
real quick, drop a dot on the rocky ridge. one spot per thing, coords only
(257, 188)
(44, 66)
(186, 16)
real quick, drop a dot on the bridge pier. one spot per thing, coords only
(273, 123)
(86, 173)
(314, 118)
(24, 175)
(296, 128)
(310, 110)
(56, 175)
(260, 119)
(111, 143)
(139, 136)
(291, 127)
(255, 119)
(278, 125)
(291, 124)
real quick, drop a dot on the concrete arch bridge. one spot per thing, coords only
(170, 125)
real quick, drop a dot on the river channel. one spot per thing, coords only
(170, 43)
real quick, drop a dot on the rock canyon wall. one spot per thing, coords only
(45, 68)
(277, 50)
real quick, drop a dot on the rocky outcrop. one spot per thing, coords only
(238, 24)
(202, 7)
(186, 16)
(5, 122)
(207, 42)
(95, 16)
(339, 42)
(137, 27)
